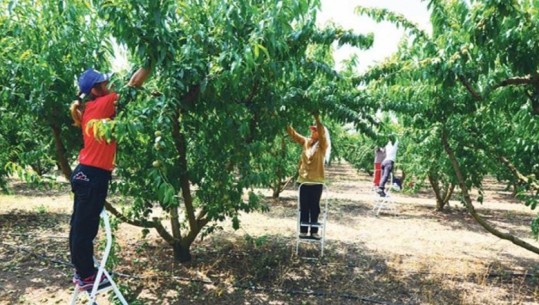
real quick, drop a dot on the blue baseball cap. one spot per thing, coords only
(89, 78)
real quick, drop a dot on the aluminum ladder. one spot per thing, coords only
(92, 295)
(387, 202)
(322, 220)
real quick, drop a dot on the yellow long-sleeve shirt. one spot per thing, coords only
(311, 167)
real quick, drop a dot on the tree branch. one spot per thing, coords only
(449, 192)
(252, 93)
(513, 82)
(471, 209)
(187, 240)
(175, 223)
(201, 214)
(140, 223)
(469, 87)
(61, 154)
(512, 168)
(181, 148)
(437, 192)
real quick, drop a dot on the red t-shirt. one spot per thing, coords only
(98, 153)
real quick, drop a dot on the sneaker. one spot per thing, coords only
(381, 192)
(75, 279)
(316, 236)
(303, 235)
(87, 283)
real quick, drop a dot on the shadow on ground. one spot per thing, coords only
(228, 270)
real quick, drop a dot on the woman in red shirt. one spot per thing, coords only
(90, 179)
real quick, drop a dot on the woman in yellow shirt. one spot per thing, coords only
(311, 173)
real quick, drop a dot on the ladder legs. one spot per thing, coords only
(321, 224)
(75, 296)
(92, 295)
(386, 202)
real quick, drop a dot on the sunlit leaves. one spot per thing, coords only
(470, 79)
(44, 46)
(386, 15)
(227, 77)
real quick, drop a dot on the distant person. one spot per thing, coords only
(387, 165)
(379, 156)
(316, 149)
(90, 179)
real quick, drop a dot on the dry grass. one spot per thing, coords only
(416, 257)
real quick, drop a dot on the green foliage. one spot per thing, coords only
(358, 151)
(37, 78)
(276, 163)
(471, 81)
(256, 242)
(228, 76)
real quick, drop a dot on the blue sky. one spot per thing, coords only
(386, 35)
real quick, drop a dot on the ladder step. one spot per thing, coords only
(312, 224)
(310, 238)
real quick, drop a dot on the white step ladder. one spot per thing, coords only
(321, 224)
(387, 202)
(384, 203)
(92, 295)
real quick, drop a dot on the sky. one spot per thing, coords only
(386, 35)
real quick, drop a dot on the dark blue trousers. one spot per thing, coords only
(90, 186)
(387, 169)
(309, 205)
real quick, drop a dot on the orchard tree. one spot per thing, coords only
(228, 76)
(359, 148)
(44, 45)
(466, 85)
(277, 164)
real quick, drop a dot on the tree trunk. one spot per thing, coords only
(514, 192)
(175, 223)
(471, 209)
(278, 186)
(443, 193)
(61, 152)
(449, 192)
(181, 254)
(434, 183)
(181, 244)
(276, 190)
(403, 177)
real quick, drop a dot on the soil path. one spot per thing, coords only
(416, 256)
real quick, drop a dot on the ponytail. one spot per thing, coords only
(77, 109)
(327, 157)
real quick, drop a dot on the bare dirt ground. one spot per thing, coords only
(417, 256)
